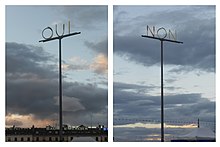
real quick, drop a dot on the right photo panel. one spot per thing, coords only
(164, 73)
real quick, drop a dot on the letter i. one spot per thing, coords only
(69, 26)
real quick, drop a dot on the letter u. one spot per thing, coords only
(57, 30)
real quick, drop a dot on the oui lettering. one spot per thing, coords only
(48, 32)
(161, 33)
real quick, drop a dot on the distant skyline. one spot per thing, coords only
(32, 67)
(189, 70)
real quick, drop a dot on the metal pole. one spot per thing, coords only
(162, 103)
(60, 77)
(60, 91)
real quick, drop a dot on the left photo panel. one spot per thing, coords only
(56, 60)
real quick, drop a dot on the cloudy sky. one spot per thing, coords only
(189, 71)
(32, 67)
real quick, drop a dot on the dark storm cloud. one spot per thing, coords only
(27, 59)
(130, 104)
(195, 27)
(31, 97)
(32, 88)
(94, 100)
(29, 83)
(89, 95)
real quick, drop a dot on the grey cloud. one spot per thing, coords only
(136, 105)
(170, 80)
(100, 64)
(29, 83)
(32, 88)
(31, 97)
(28, 59)
(71, 104)
(78, 67)
(195, 26)
(133, 107)
(100, 47)
(91, 98)
(203, 109)
(87, 17)
(89, 95)
(183, 98)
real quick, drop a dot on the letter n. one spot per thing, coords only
(171, 34)
(150, 30)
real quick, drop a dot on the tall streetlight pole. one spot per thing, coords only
(60, 72)
(162, 99)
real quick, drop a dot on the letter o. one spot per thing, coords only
(165, 33)
(47, 28)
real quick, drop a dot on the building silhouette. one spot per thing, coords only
(51, 134)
